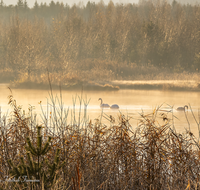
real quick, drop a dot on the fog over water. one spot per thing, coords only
(131, 102)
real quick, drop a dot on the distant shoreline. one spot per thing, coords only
(173, 85)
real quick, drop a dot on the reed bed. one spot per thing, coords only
(151, 155)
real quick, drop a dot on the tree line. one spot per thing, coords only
(99, 37)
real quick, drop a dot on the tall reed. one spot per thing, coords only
(151, 155)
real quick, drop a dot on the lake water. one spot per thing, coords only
(131, 103)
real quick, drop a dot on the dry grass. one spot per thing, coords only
(152, 156)
(92, 74)
(178, 85)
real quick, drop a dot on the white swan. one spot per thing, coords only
(182, 108)
(103, 105)
(114, 106)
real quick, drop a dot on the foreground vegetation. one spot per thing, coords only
(98, 42)
(70, 152)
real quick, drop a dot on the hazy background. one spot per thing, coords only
(99, 43)
(71, 2)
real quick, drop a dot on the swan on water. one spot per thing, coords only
(182, 108)
(103, 105)
(114, 106)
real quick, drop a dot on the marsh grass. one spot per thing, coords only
(176, 85)
(151, 155)
(106, 75)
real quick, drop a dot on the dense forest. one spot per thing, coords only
(98, 42)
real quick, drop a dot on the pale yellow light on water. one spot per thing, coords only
(131, 103)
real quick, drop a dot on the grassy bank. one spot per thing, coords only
(138, 78)
(174, 85)
(151, 155)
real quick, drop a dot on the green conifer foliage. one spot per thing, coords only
(38, 168)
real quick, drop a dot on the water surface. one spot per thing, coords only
(131, 103)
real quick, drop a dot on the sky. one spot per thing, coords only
(69, 2)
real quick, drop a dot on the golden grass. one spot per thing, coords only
(178, 85)
(105, 75)
(98, 156)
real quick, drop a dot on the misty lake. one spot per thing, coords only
(131, 102)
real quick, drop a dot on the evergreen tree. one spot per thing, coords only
(174, 3)
(37, 169)
(20, 4)
(1, 3)
(25, 4)
(36, 6)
